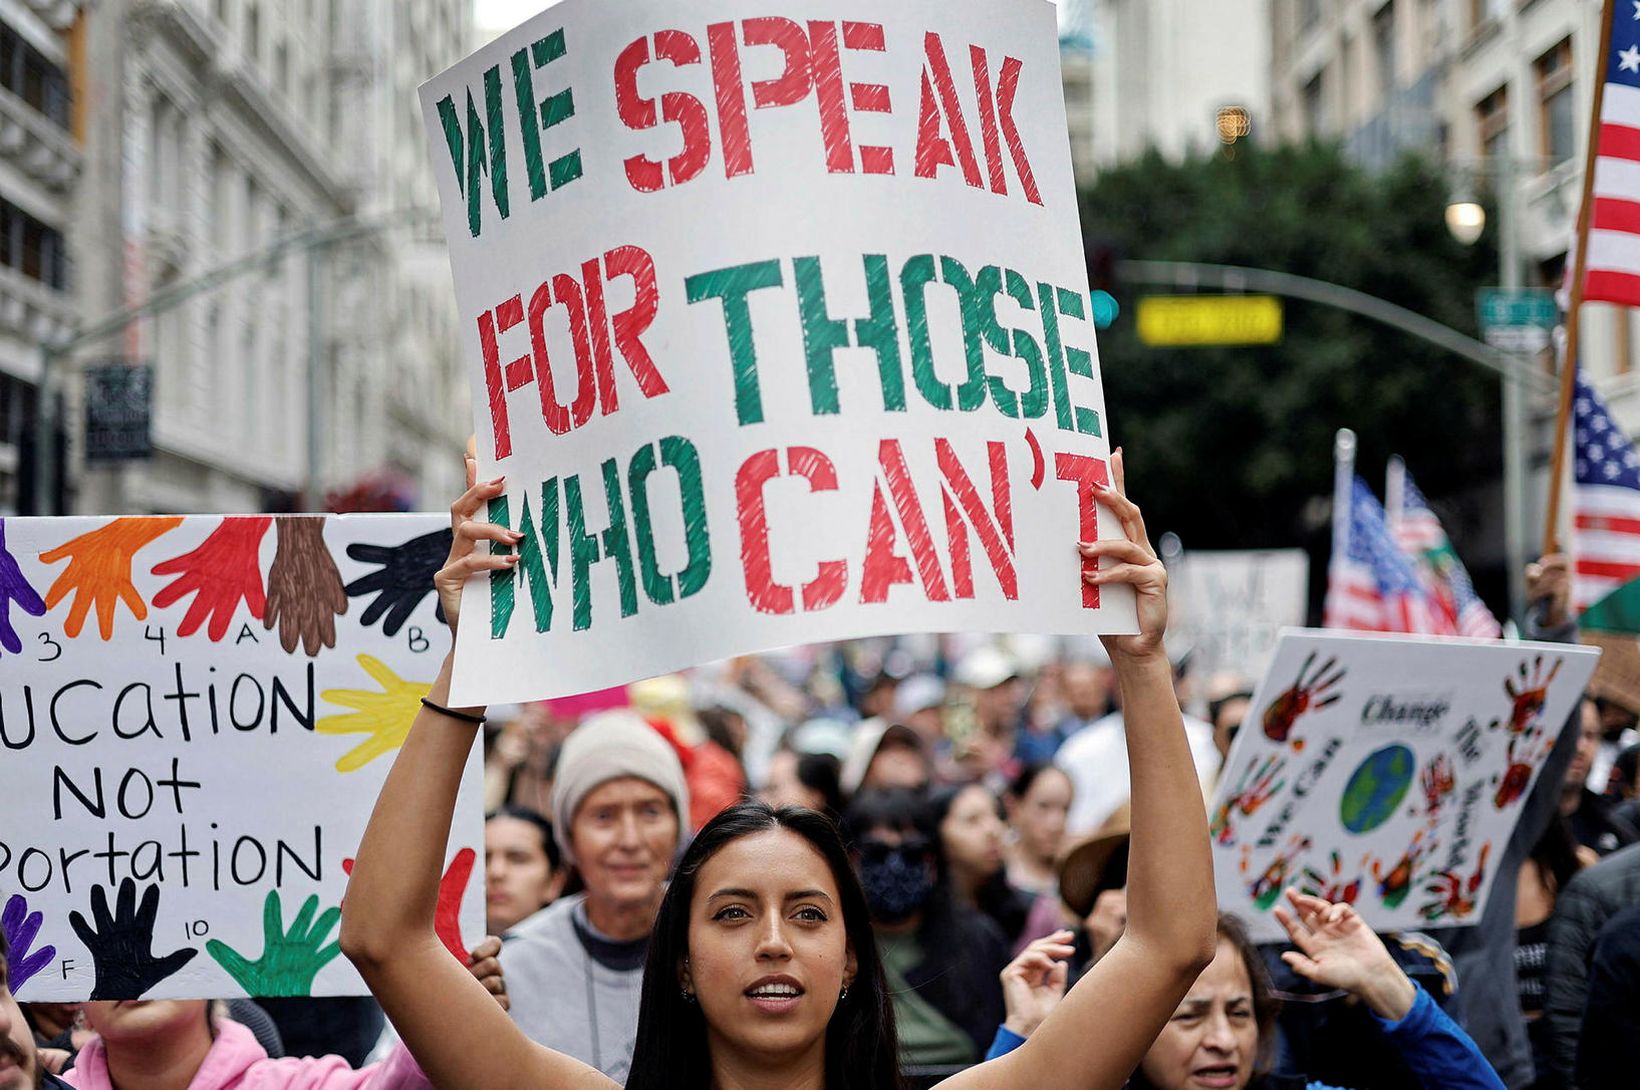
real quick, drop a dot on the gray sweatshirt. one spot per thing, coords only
(573, 989)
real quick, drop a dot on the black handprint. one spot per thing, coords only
(404, 579)
(122, 944)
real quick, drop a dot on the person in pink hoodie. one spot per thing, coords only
(180, 1044)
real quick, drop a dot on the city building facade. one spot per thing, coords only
(40, 162)
(214, 130)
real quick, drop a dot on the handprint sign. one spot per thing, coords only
(1255, 787)
(384, 718)
(1268, 886)
(305, 594)
(14, 587)
(121, 943)
(1528, 690)
(290, 959)
(1523, 756)
(21, 926)
(1454, 895)
(99, 572)
(452, 890)
(221, 573)
(403, 580)
(1310, 692)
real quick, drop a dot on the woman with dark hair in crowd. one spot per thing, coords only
(1037, 803)
(941, 956)
(804, 779)
(1555, 859)
(763, 970)
(972, 835)
(1222, 1035)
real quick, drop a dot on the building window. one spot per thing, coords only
(1557, 113)
(28, 74)
(253, 34)
(1383, 46)
(1492, 121)
(1484, 12)
(32, 248)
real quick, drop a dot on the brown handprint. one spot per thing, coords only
(1306, 695)
(305, 593)
(1529, 691)
(99, 571)
(1454, 895)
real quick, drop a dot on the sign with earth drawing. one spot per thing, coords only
(1386, 772)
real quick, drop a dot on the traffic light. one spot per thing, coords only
(1102, 260)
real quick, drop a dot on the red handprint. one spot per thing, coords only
(1454, 895)
(1529, 691)
(1438, 782)
(1524, 754)
(224, 570)
(1306, 695)
(99, 571)
(1333, 886)
(452, 888)
(1394, 885)
(1253, 790)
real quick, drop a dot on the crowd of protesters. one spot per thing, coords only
(981, 787)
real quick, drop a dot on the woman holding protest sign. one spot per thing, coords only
(762, 970)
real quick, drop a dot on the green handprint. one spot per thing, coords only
(290, 960)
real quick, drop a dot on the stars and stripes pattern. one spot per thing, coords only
(1373, 586)
(1605, 501)
(1422, 537)
(1613, 261)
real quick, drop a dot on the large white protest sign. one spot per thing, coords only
(778, 322)
(1227, 606)
(196, 717)
(1387, 772)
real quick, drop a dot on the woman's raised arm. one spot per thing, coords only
(452, 1025)
(1096, 1036)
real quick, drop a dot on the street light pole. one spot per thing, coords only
(1514, 399)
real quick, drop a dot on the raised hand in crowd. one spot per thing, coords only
(1034, 982)
(1549, 589)
(1337, 949)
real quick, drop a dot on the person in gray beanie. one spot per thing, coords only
(574, 970)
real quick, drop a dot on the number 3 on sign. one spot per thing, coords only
(55, 648)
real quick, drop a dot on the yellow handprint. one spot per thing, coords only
(99, 571)
(385, 716)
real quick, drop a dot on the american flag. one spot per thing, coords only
(1421, 536)
(1372, 585)
(1613, 259)
(1605, 502)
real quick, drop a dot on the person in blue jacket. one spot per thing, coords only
(1222, 1035)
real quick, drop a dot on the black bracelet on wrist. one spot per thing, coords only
(465, 717)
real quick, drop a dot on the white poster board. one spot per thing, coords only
(1227, 607)
(778, 327)
(1387, 772)
(196, 717)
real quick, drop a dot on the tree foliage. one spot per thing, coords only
(1229, 445)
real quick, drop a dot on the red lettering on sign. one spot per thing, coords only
(934, 148)
(1085, 472)
(765, 595)
(964, 508)
(677, 107)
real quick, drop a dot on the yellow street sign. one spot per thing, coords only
(1180, 321)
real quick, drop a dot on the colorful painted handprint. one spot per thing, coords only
(99, 572)
(222, 572)
(1255, 787)
(1309, 693)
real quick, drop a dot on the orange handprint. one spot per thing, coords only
(99, 571)
(1455, 895)
(1305, 695)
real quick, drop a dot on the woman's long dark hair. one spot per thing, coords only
(862, 1052)
(995, 897)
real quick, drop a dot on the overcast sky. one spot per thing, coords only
(494, 16)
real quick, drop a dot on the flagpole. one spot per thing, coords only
(1343, 479)
(1395, 501)
(1580, 259)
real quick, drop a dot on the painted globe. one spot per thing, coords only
(1376, 788)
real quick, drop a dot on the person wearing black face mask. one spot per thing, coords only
(941, 959)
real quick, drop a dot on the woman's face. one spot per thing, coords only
(1211, 1043)
(624, 834)
(518, 877)
(972, 834)
(1039, 817)
(768, 949)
